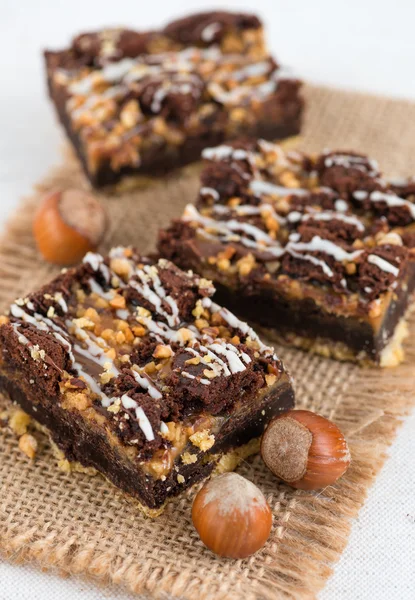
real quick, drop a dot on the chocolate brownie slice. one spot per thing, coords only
(135, 371)
(317, 249)
(135, 103)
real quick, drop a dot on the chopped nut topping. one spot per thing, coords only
(203, 440)
(120, 337)
(139, 331)
(185, 334)
(162, 351)
(209, 374)
(201, 323)
(270, 379)
(193, 361)
(121, 266)
(246, 264)
(84, 323)
(188, 458)
(150, 367)
(350, 268)
(198, 310)
(118, 301)
(375, 309)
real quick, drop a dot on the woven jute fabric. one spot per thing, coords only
(78, 524)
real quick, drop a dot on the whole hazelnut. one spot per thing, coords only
(68, 224)
(305, 450)
(232, 516)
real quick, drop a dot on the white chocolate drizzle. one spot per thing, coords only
(316, 261)
(143, 422)
(220, 357)
(44, 324)
(241, 210)
(349, 161)
(254, 70)
(208, 191)
(226, 232)
(201, 380)
(163, 428)
(252, 237)
(180, 64)
(390, 199)
(209, 32)
(383, 264)
(147, 275)
(334, 216)
(143, 379)
(96, 261)
(236, 323)
(222, 152)
(318, 244)
(340, 205)
(235, 363)
(260, 187)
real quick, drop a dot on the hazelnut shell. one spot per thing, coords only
(67, 225)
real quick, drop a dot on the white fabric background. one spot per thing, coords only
(360, 44)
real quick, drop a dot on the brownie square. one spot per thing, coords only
(315, 249)
(136, 372)
(135, 104)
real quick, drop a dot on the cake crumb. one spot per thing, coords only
(188, 458)
(28, 445)
(19, 422)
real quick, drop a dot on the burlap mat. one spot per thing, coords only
(82, 525)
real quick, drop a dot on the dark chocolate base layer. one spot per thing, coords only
(92, 448)
(305, 319)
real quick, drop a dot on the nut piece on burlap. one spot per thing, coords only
(79, 524)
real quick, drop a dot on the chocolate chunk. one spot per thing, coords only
(377, 278)
(347, 172)
(172, 97)
(209, 27)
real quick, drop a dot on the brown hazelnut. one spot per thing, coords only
(232, 516)
(68, 224)
(305, 450)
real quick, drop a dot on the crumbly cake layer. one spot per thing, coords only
(136, 372)
(146, 102)
(390, 356)
(313, 246)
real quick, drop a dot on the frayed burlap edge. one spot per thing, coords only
(310, 529)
